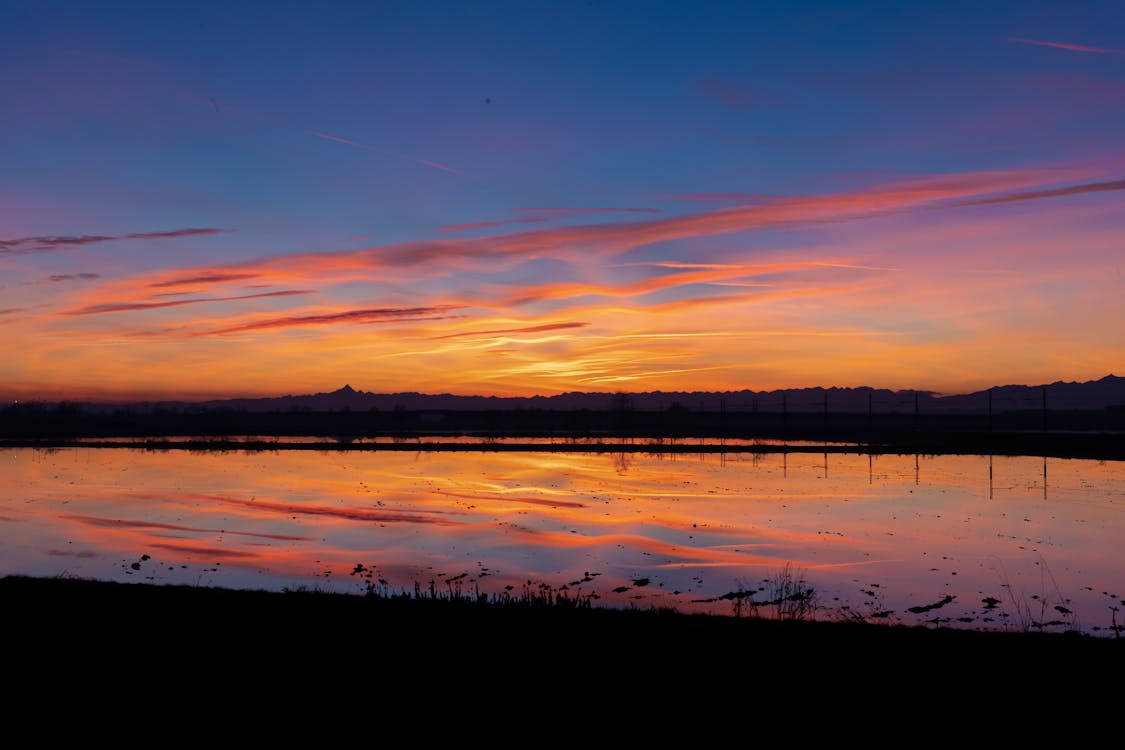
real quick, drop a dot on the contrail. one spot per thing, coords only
(387, 152)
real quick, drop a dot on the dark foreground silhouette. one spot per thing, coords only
(1073, 434)
(290, 663)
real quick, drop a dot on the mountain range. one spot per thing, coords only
(1108, 392)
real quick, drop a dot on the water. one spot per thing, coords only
(993, 542)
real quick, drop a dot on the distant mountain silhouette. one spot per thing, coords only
(1108, 392)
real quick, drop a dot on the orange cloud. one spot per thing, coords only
(393, 315)
(204, 278)
(918, 298)
(527, 329)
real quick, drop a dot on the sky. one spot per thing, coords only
(215, 199)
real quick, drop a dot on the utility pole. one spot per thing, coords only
(1044, 408)
(990, 409)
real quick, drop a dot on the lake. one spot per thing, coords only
(982, 542)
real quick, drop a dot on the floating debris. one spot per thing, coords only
(926, 608)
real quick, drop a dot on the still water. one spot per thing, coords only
(967, 541)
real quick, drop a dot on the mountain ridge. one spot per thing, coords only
(1106, 392)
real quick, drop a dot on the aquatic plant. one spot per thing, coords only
(789, 596)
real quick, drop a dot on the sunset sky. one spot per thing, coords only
(208, 199)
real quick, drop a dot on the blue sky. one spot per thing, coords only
(316, 138)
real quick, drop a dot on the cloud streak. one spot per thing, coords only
(574, 211)
(1092, 187)
(587, 241)
(374, 315)
(528, 329)
(206, 278)
(1061, 45)
(111, 307)
(51, 243)
(542, 215)
(491, 224)
(948, 191)
(722, 197)
(386, 152)
(73, 277)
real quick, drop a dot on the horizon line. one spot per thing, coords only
(188, 399)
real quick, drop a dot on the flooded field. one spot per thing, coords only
(1021, 543)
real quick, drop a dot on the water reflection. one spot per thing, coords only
(965, 540)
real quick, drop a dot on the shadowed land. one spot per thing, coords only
(121, 623)
(249, 664)
(1078, 420)
(1096, 435)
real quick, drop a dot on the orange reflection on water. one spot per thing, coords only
(874, 535)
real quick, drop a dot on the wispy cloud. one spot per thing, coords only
(1091, 187)
(588, 317)
(736, 95)
(377, 315)
(541, 215)
(204, 278)
(885, 200)
(436, 165)
(196, 549)
(386, 152)
(723, 197)
(46, 244)
(111, 307)
(575, 211)
(1061, 45)
(527, 329)
(614, 238)
(492, 224)
(73, 277)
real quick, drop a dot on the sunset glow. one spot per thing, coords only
(203, 201)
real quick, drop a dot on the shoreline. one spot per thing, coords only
(1093, 445)
(49, 603)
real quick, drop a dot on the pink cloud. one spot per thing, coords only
(602, 240)
(1061, 45)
